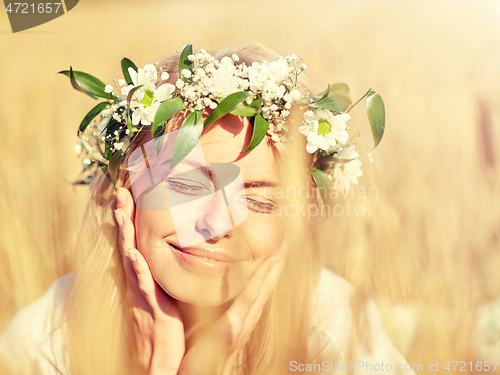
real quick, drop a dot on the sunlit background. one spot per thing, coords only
(427, 247)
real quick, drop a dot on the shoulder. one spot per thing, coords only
(32, 342)
(347, 327)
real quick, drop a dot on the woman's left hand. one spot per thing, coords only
(216, 351)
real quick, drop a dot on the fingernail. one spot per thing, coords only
(119, 218)
(121, 199)
(131, 256)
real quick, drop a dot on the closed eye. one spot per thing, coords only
(260, 207)
(187, 187)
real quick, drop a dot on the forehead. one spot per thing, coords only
(225, 143)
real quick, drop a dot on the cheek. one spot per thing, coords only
(262, 234)
(151, 227)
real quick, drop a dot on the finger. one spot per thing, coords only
(261, 283)
(145, 282)
(244, 302)
(125, 201)
(126, 234)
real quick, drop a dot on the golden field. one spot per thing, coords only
(427, 248)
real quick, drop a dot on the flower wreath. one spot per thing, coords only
(264, 92)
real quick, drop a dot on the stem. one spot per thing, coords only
(132, 141)
(352, 106)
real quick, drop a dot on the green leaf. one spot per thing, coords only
(257, 104)
(376, 115)
(92, 114)
(166, 110)
(126, 63)
(322, 181)
(107, 150)
(187, 137)
(114, 166)
(226, 106)
(184, 63)
(131, 93)
(244, 110)
(337, 88)
(260, 127)
(158, 137)
(75, 84)
(87, 83)
(336, 102)
(325, 94)
(131, 127)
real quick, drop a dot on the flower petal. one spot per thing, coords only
(342, 137)
(311, 148)
(323, 144)
(164, 92)
(303, 129)
(312, 137)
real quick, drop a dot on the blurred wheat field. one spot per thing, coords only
(427, 248)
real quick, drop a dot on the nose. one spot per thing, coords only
(215, 222)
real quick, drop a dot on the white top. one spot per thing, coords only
(31, 343)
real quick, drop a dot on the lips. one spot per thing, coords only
(210, 256)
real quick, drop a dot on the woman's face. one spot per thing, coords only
(210, 257)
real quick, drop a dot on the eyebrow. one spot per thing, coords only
(194, 164)
(206, 171)
(256, 184)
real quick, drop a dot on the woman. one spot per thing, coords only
(198, 263)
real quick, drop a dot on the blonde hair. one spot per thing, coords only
(100, 341)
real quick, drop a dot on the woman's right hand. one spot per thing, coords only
(157, 324)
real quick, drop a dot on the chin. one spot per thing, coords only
(201, 290)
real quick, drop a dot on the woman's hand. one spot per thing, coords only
(158, 329)
(215, 352)
(157, 325)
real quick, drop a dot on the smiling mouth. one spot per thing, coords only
(210, 256)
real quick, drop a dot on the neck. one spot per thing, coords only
(198, 319)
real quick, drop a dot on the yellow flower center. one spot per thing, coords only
(148, 98)
(323, 128)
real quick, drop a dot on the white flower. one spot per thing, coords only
(235, 58)
(122, 82)
(268, 77)
(200, 72)
(126, 89)
(147, 99)
(348, 153)
(179, 83)
(164, 76)
(224, 80)
(118, 146)
(295, 94)
(303, 67)
(78, 148)
(346, 174)
(108, 89)
(323, 129)
(186, 73)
